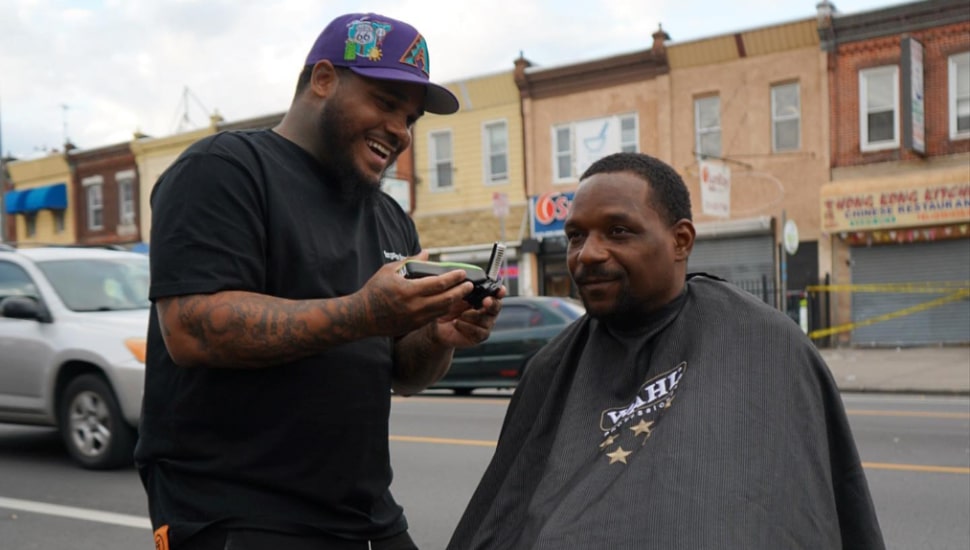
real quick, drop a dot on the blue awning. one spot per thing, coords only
(13, 201)
(51, 197)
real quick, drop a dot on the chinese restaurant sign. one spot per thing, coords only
(906, 207)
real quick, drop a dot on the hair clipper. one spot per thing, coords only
(486, 281)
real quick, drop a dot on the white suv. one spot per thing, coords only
(73, 323)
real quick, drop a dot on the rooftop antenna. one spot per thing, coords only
(182, 111)
(64, 108)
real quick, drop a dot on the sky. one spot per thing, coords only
(94, 72)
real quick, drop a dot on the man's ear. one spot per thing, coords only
(684, 234)
(323, 79)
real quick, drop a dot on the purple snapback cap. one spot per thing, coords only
(379, 47)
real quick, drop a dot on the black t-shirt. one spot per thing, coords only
(297, 448)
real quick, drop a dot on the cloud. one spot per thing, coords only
(124, 65)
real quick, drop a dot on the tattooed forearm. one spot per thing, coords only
(242, 329)
(419, 361)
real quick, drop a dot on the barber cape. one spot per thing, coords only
(716, 426)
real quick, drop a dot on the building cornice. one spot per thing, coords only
(842, 29)
(591, 75)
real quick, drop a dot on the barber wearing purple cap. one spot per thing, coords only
(281, 322)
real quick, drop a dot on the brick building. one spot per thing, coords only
(105, 195)
(896, 213)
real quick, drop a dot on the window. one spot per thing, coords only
(707, 126)
(14, 281)
(628, 134)
(516, 317)
(95, 202)
(577, 145)
(58, 221)
(496, 153)
(30, 219)
(440, 158)
(960, 96)
(785, 117)
(563, 139)
(126, 197)
(879, 108)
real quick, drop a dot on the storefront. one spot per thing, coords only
(547, 214)
(904, 242)
(740, 251)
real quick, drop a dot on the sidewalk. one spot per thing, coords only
(932, 370)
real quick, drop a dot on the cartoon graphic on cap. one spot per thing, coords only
(364, 39)
(417, 55)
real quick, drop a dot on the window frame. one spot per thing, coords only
(30, 224)
(126, 204)
(59, 223)
(435, 162)
(776, 118)
(864, 144)
(570, 153)
(560, 153)
(630, 146)
(490, 178)
(700, 132)
(94, 209)
(952, 99)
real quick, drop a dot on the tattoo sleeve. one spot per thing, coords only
(244, 329)
(419, 361)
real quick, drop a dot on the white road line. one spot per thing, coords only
(75, 513)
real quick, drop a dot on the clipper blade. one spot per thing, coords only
(495, 261)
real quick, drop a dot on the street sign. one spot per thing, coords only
(500, 204)
(791, 237)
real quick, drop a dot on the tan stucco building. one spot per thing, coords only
(754, 105)
(469, 177)
(153, 156)
(41, 200)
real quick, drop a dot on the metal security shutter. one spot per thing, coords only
(748, 262)
(910, 263)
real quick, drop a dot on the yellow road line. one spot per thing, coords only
(916, 468)
(869, 465)
(443, 441)
(912, 414)
(443, 399)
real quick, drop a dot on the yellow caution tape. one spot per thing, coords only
(954, 297)
(911, 288)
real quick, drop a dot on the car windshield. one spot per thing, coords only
(100, 284)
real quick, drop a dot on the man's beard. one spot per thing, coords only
(625, 311)
(334, 133)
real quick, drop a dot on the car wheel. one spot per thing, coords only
(463, 391)
(91, 424)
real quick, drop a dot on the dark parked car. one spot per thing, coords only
(524, 325)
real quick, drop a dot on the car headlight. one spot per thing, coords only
(137, 348)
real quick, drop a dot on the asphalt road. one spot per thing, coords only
(916, 452)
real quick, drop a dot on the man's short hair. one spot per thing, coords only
(670, 196)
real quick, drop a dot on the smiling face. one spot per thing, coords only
(364, 125)
(622, 254)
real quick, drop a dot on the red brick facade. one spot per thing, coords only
(848, 59)
(105, 162)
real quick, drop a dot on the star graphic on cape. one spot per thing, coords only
(642, 428)
(670, 400)
(608, 441)
(619, 455)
